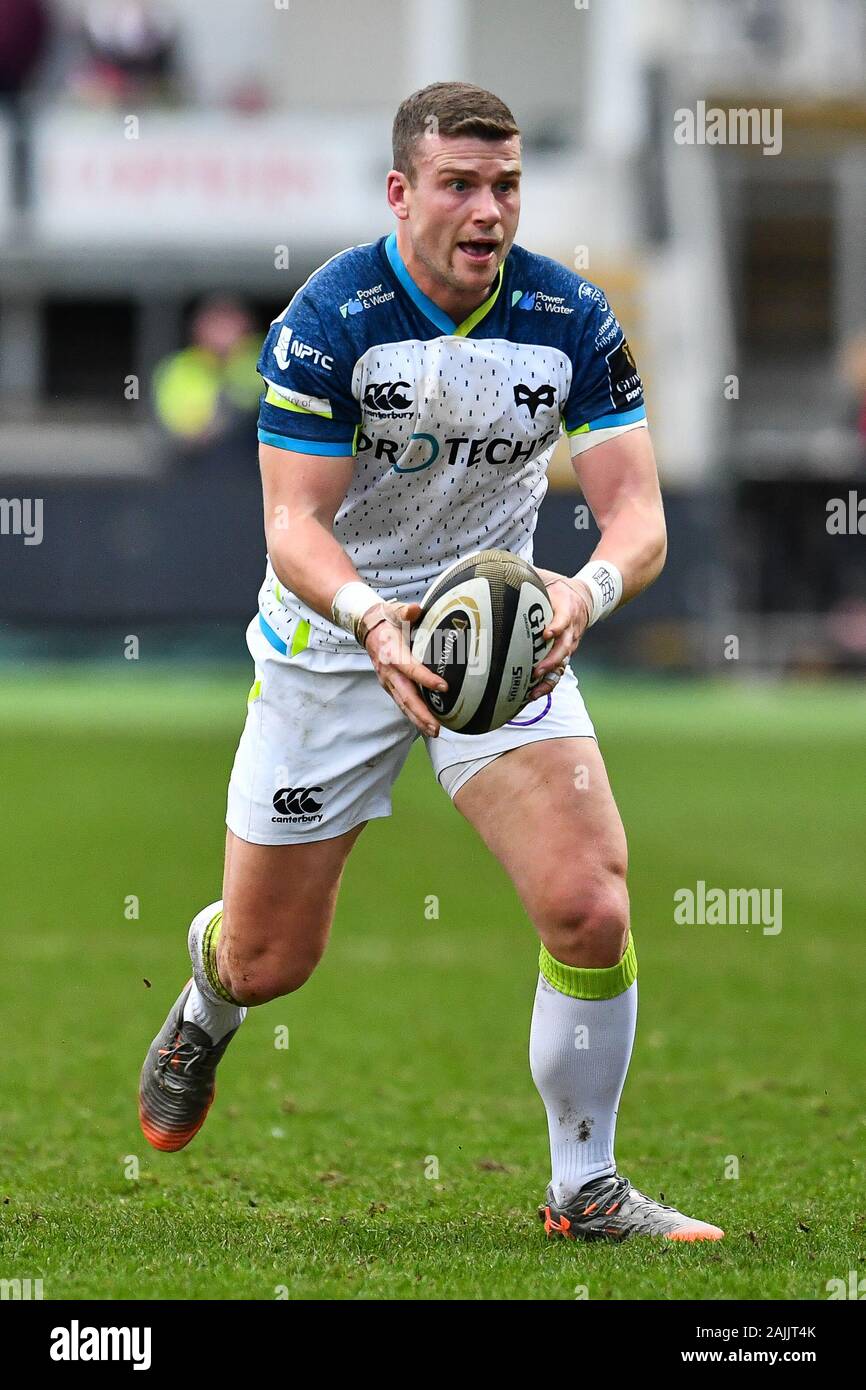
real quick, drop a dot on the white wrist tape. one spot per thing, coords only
(604, 582)
(350, 603)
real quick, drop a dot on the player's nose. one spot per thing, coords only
(486, 213)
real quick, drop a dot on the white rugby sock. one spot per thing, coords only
(216, 1015)
(579, 1051)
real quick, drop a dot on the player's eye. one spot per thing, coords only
(454, 184)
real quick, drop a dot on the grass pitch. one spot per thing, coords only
(397, 1147)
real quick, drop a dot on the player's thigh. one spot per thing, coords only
(279, 901)
(319, 752)
(546, 810)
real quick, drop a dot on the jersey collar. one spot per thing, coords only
(427, 307)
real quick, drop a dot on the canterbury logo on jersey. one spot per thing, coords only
(387, 397)
(297, 801)
(524, 395)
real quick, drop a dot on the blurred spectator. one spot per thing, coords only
(846, 623)
(209, 392)
(129, 53)
(23, 32)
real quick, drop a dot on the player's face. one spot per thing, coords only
(461, 214)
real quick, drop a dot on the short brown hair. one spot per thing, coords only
(447, 108)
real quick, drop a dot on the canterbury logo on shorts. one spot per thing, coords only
(298, 802)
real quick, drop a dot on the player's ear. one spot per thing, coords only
(395, 191)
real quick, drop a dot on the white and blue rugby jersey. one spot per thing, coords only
(452, 425)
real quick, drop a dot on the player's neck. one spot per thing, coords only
(457, 306)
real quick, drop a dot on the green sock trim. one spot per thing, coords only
(209, 940)
(581, 982)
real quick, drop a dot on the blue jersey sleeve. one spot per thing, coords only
(606, 389)
(307, 403)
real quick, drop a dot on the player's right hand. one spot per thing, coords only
(387, 645)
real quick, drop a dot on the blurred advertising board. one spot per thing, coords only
(203, 179)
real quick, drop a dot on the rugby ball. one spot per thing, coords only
(481, 630)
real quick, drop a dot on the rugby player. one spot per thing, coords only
(414, 390)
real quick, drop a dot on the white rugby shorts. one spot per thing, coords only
(321, 749)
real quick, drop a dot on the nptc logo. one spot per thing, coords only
(297, 801)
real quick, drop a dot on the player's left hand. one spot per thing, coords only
(572, 605)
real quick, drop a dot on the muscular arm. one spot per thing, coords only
(302, 495)
(620, 482)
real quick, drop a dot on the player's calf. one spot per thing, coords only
(257, 975)
(279, 906)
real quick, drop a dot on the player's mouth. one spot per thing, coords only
(479, 250)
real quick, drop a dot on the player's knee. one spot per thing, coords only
(259, 977)
(585, 922)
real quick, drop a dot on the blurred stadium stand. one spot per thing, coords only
(155, 154)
